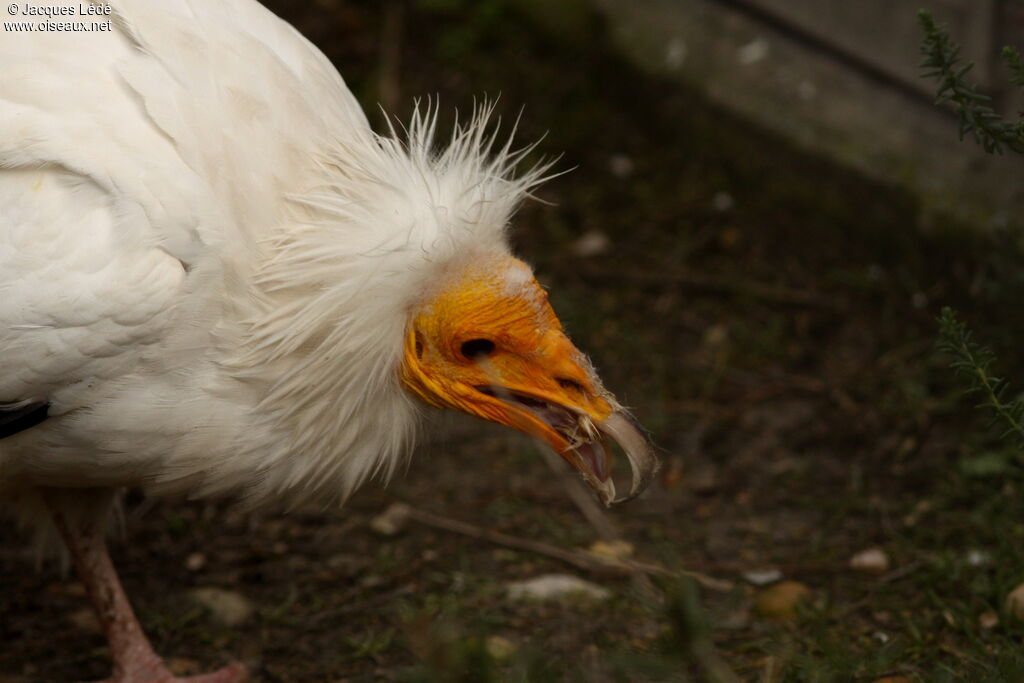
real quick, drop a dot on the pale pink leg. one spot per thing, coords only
(134, 658)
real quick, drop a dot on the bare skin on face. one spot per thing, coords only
(489, 344)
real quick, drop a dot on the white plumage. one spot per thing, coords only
(209, 265)
(211, 209)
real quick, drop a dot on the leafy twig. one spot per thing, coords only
(974, 362)
(1012, 58)
(942, 57)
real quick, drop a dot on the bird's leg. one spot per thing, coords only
(135, 661)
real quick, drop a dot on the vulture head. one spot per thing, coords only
(394, 285)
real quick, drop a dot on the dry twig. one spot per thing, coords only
(589, 562)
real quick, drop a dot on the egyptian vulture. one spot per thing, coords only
(217, 281)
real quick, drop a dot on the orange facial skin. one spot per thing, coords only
(490, 335)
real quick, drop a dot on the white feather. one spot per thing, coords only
(208, 259)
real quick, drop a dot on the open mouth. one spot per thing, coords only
(584, 441)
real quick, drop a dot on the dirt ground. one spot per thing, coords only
(771, 320)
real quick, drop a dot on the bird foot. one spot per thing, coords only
(232, 673)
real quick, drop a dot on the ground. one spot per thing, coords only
(768, 316)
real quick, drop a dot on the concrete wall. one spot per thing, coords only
(884, 33)
(839, 78)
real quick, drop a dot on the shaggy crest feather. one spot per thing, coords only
(390, 216)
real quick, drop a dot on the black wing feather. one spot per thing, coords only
(17, 417)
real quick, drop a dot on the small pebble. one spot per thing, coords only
(762, 577)
(555, 587)
(753, 52)
(590, 244)
(195, 562)
(715, 336)
(977, 558)
(393, 520)
(988, 620)
(228, 607)
(870, 561)
(780, 602)
(675, 53)
(615, 550)
(500, 648)
(621, 166)
(722, 201)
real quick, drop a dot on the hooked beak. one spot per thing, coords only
(489, 345)
(580, 438)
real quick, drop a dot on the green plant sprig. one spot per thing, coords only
(974, 362)
(942, 58)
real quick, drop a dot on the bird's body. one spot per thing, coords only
(141, 242)
(216, 280)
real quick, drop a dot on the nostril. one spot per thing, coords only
(477, 348)
(570, 384)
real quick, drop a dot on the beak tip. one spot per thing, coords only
(636, 444)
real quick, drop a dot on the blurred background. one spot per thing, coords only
(764, 216)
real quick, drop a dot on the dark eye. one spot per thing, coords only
(477, 348)
(570, 384)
